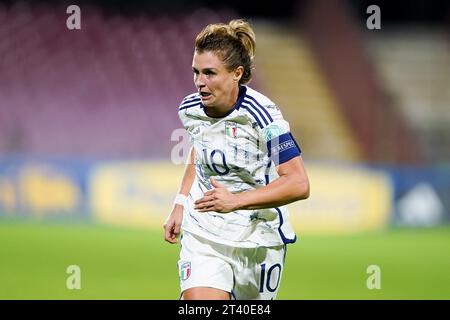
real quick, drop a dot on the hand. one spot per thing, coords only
(218, 199)
(172, 226)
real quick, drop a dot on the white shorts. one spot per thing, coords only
(246, 273)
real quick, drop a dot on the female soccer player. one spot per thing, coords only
(245, 166)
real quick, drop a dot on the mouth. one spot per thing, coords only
(205, 95)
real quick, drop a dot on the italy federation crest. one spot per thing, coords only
(185, 270)
(231, 129)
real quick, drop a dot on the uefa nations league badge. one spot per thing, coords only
(185, 270)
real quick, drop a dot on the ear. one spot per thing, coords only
(238, 73)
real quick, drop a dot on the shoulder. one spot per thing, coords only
(190, 101)
(259, 107)
(189, 109)
(252, 94)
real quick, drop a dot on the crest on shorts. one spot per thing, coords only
(231, 129)
(185, 270)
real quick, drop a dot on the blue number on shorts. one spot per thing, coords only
(269, 275)
(209, 160)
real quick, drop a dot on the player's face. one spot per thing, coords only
(217, 86)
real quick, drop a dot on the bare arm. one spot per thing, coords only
(172, 225)
(189, 174)
(292, 185)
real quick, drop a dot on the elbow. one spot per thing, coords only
(306, 194)
(302, 189)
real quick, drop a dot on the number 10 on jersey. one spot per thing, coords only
(220, 167)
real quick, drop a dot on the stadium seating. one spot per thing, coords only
(110, 89)
(414, 65)
(302, 92)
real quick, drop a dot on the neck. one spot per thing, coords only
(221, 111)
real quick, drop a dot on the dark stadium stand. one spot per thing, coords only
(110, 89)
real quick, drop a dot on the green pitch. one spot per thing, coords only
(120, 263)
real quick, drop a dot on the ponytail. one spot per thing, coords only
(234, 42)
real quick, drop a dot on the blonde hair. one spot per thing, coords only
(233, 42)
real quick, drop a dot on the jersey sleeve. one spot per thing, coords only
(277, 139)
(183, 118)
(187, 110)
(188, 102)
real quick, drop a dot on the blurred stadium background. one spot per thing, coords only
(86, 123)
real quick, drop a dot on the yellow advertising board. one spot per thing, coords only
(45, 189)
(134, 193)
(343, 199)
(8, 197)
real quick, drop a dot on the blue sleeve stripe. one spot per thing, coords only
(254, 116)
(190, 101)
(191, 96)
(249, 104)
(259, 105)
(296, 144)
(280, 214)
(187, 102)
(283, 237)
(283, 148)
(266, 173)
(288, 155)
(190, 106)
(258, 108)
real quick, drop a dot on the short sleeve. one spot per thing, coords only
(189, 103)
(278, 139)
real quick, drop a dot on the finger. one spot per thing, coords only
(209, 207)
(168, 233)
(209, 192)
(204, 199)
(171, 238)
(204, 204)
(201, 200)
(166, 227)
(176, 230)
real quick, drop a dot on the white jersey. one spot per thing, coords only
(234, 150)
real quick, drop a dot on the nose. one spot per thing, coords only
(199, 81)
